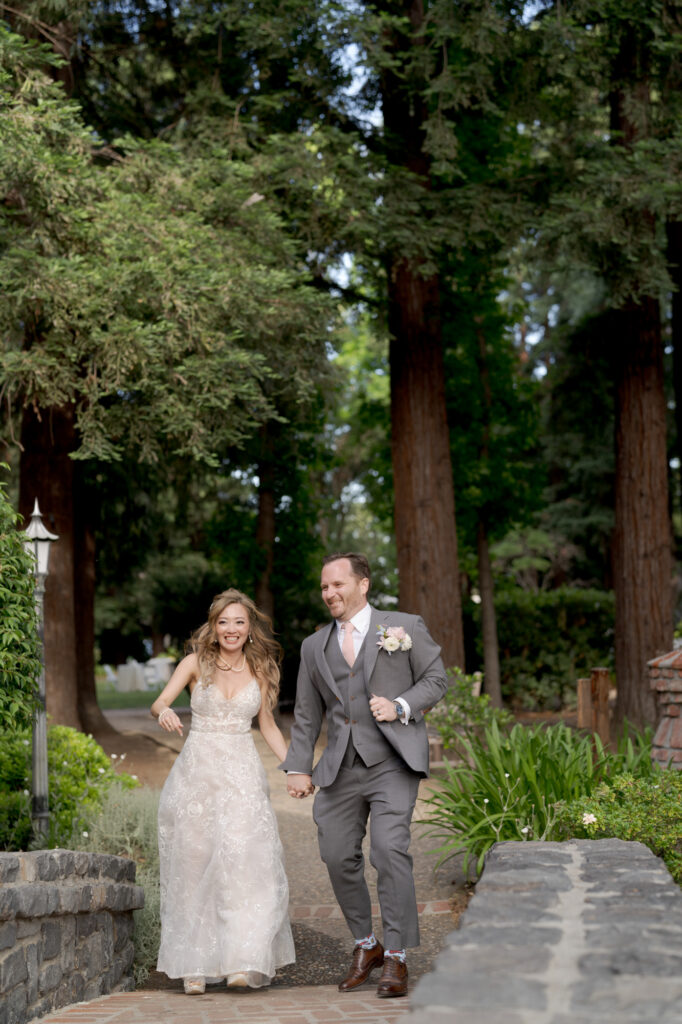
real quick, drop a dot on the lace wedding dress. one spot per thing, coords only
(224, 892)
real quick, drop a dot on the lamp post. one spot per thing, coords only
(37, 541)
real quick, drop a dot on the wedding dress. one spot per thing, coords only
(224, 892)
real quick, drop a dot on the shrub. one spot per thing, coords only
(127, 827)
(19, 661)
(79, 774)
(460, 711)
(508, 785)
(550, 639)
(646, 809)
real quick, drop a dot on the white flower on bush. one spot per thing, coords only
(100, 770)
(26, 793)
(526, 829)
(589, 819)
(114, 756)
(85, 835)
(123, 757)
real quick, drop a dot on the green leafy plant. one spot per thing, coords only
(19, 662)
(626, 807)
(461, 710)
(126, 826)
(508, 784)
(79, 775)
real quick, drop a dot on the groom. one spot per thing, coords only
(373, 674)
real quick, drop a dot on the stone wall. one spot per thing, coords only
(66, 929)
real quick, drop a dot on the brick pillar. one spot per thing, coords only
(665, 677)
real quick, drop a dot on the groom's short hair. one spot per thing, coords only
(358, 563)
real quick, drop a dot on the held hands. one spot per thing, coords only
(299, 786)
(382, 709)
(170, 722)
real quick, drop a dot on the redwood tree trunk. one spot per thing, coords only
(642, 543)
(642, 562)
(426, 536)
(91, 716)
(46, 473)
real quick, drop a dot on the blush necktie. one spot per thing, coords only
(347, 647)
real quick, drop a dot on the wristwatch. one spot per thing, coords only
(399, 709)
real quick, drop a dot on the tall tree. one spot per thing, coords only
(140, 301)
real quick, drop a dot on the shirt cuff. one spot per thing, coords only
(293, 772)
(405, 717)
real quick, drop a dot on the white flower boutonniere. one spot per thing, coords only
(393, 638)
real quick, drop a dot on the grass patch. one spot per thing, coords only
(109, 698)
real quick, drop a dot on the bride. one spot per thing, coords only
(224, 892)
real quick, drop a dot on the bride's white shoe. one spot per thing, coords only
(194, 986)
(237, 980)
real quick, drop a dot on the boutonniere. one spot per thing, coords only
(393, 638)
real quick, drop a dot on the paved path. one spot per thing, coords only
(583, 932)
(307, 1005)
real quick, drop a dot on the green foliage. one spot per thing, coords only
(508, 785)
(461, 711)
(549, 639)
(126, 826)
(628, 807)
(79, 775)
(19, 660)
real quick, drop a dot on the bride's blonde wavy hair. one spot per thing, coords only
(263, 653)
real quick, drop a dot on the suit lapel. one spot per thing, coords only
(321, 638)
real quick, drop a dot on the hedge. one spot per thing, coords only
(19, 663)
(549, 639)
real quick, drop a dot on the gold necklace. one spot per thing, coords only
(230, 668)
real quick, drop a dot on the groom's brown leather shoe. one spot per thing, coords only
(363, 963)
(393, 980)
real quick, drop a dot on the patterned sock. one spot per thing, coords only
(369, 941)
(399, 954)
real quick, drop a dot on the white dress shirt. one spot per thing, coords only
(360, 623)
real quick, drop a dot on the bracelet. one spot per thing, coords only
(164, 712)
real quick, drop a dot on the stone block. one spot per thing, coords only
(123, 926)
(51, 933)
(16, 1005)
(33, 899)
(31, 952)
(13, 969)
(68, 927)
(27, 927)
(119, 869)
(50, 978)
(53, 865)
(9, 867)
(90, 957)
(8, 935)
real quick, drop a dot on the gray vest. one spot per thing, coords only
(365, 738)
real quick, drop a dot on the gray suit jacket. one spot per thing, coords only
(416, 675)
